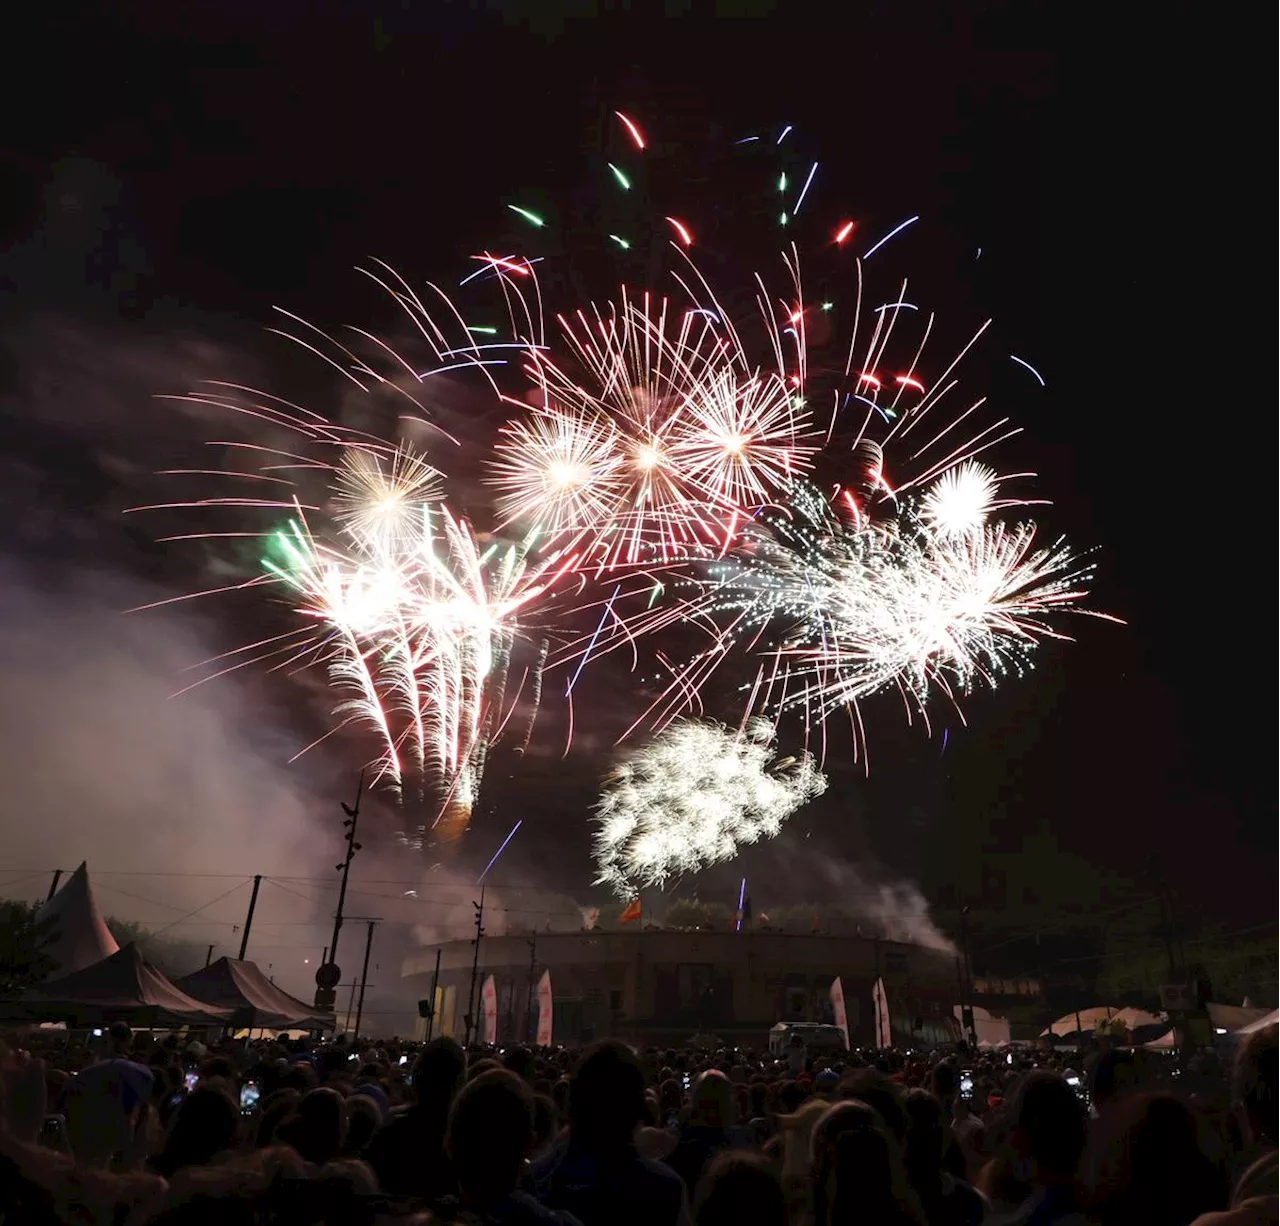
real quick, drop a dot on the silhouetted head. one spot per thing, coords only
(204, 1126)
(437, 1074)
(606, 1095)
(1047, 1126)
(740, 1189)
(519, 1060)
(854, 1166)
(490, 1134)
(317, 1127)
(1146, 1162)
(1253, 1085)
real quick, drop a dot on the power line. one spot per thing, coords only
(225, 894)
(416, 883)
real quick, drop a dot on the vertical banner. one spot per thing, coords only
(489, 1009)
(837, 1009)
(880, 1000)
(544, 1010)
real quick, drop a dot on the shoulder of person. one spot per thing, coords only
(1261, 1179)
(1260, 1211)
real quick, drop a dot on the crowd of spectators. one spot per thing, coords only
(138, 1129)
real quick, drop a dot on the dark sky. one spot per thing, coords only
(178, 170)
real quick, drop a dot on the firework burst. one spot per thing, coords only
(834, 522)
(691, 798)
(668, 440)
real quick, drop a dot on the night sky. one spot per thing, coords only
(178, 170)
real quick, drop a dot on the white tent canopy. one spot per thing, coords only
(73, 934)
(1233, 1018)
(1080, 1019)
(1134, 1019)
(991, 1031)
(1271, 1019)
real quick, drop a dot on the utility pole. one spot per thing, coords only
(435, 992)
(528, 1000)
(364, 978)
(53, 885)
(208, 956)
(351, 1004)
(248, 919)
(469, 1018)
(330, 974)
(966, 1005)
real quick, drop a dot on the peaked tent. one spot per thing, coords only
(1082, 1020)
(252, 999)
(123, 987)
(1233, 1018)
(1261, 1024)
(73, 934)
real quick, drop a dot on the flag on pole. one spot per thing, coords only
(880, 1002)
(632, 911)
(544, 1010)
(489, 1009)
(837, 1009)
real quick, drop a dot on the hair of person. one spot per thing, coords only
(854, 1167)
(519, 1060)
(317, 1127)
(1146, 1161)
(945, 1080)
(606, 1094)
(438, 1071)
(273, 1111)
(364, 1118)
(1253, 1083)
(490, 1133)
(1047, 1123)
(486, 1064)
(219, 1066)
(204, 1126)
(1109, 1074)
(881, 1094)
(300, 1076)
(926, 1138)
(546, 1120)
(740, 1189)
(711, 1100)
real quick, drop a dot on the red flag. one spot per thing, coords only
(838, 1010)
(631, 911)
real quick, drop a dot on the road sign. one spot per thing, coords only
(329, 975)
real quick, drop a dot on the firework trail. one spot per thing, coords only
(416, 626)
(691, 798)
(535, 701)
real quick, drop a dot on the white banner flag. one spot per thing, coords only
(544, 1010)
(489, 1009)
(880, 1000)
(837, 1008)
